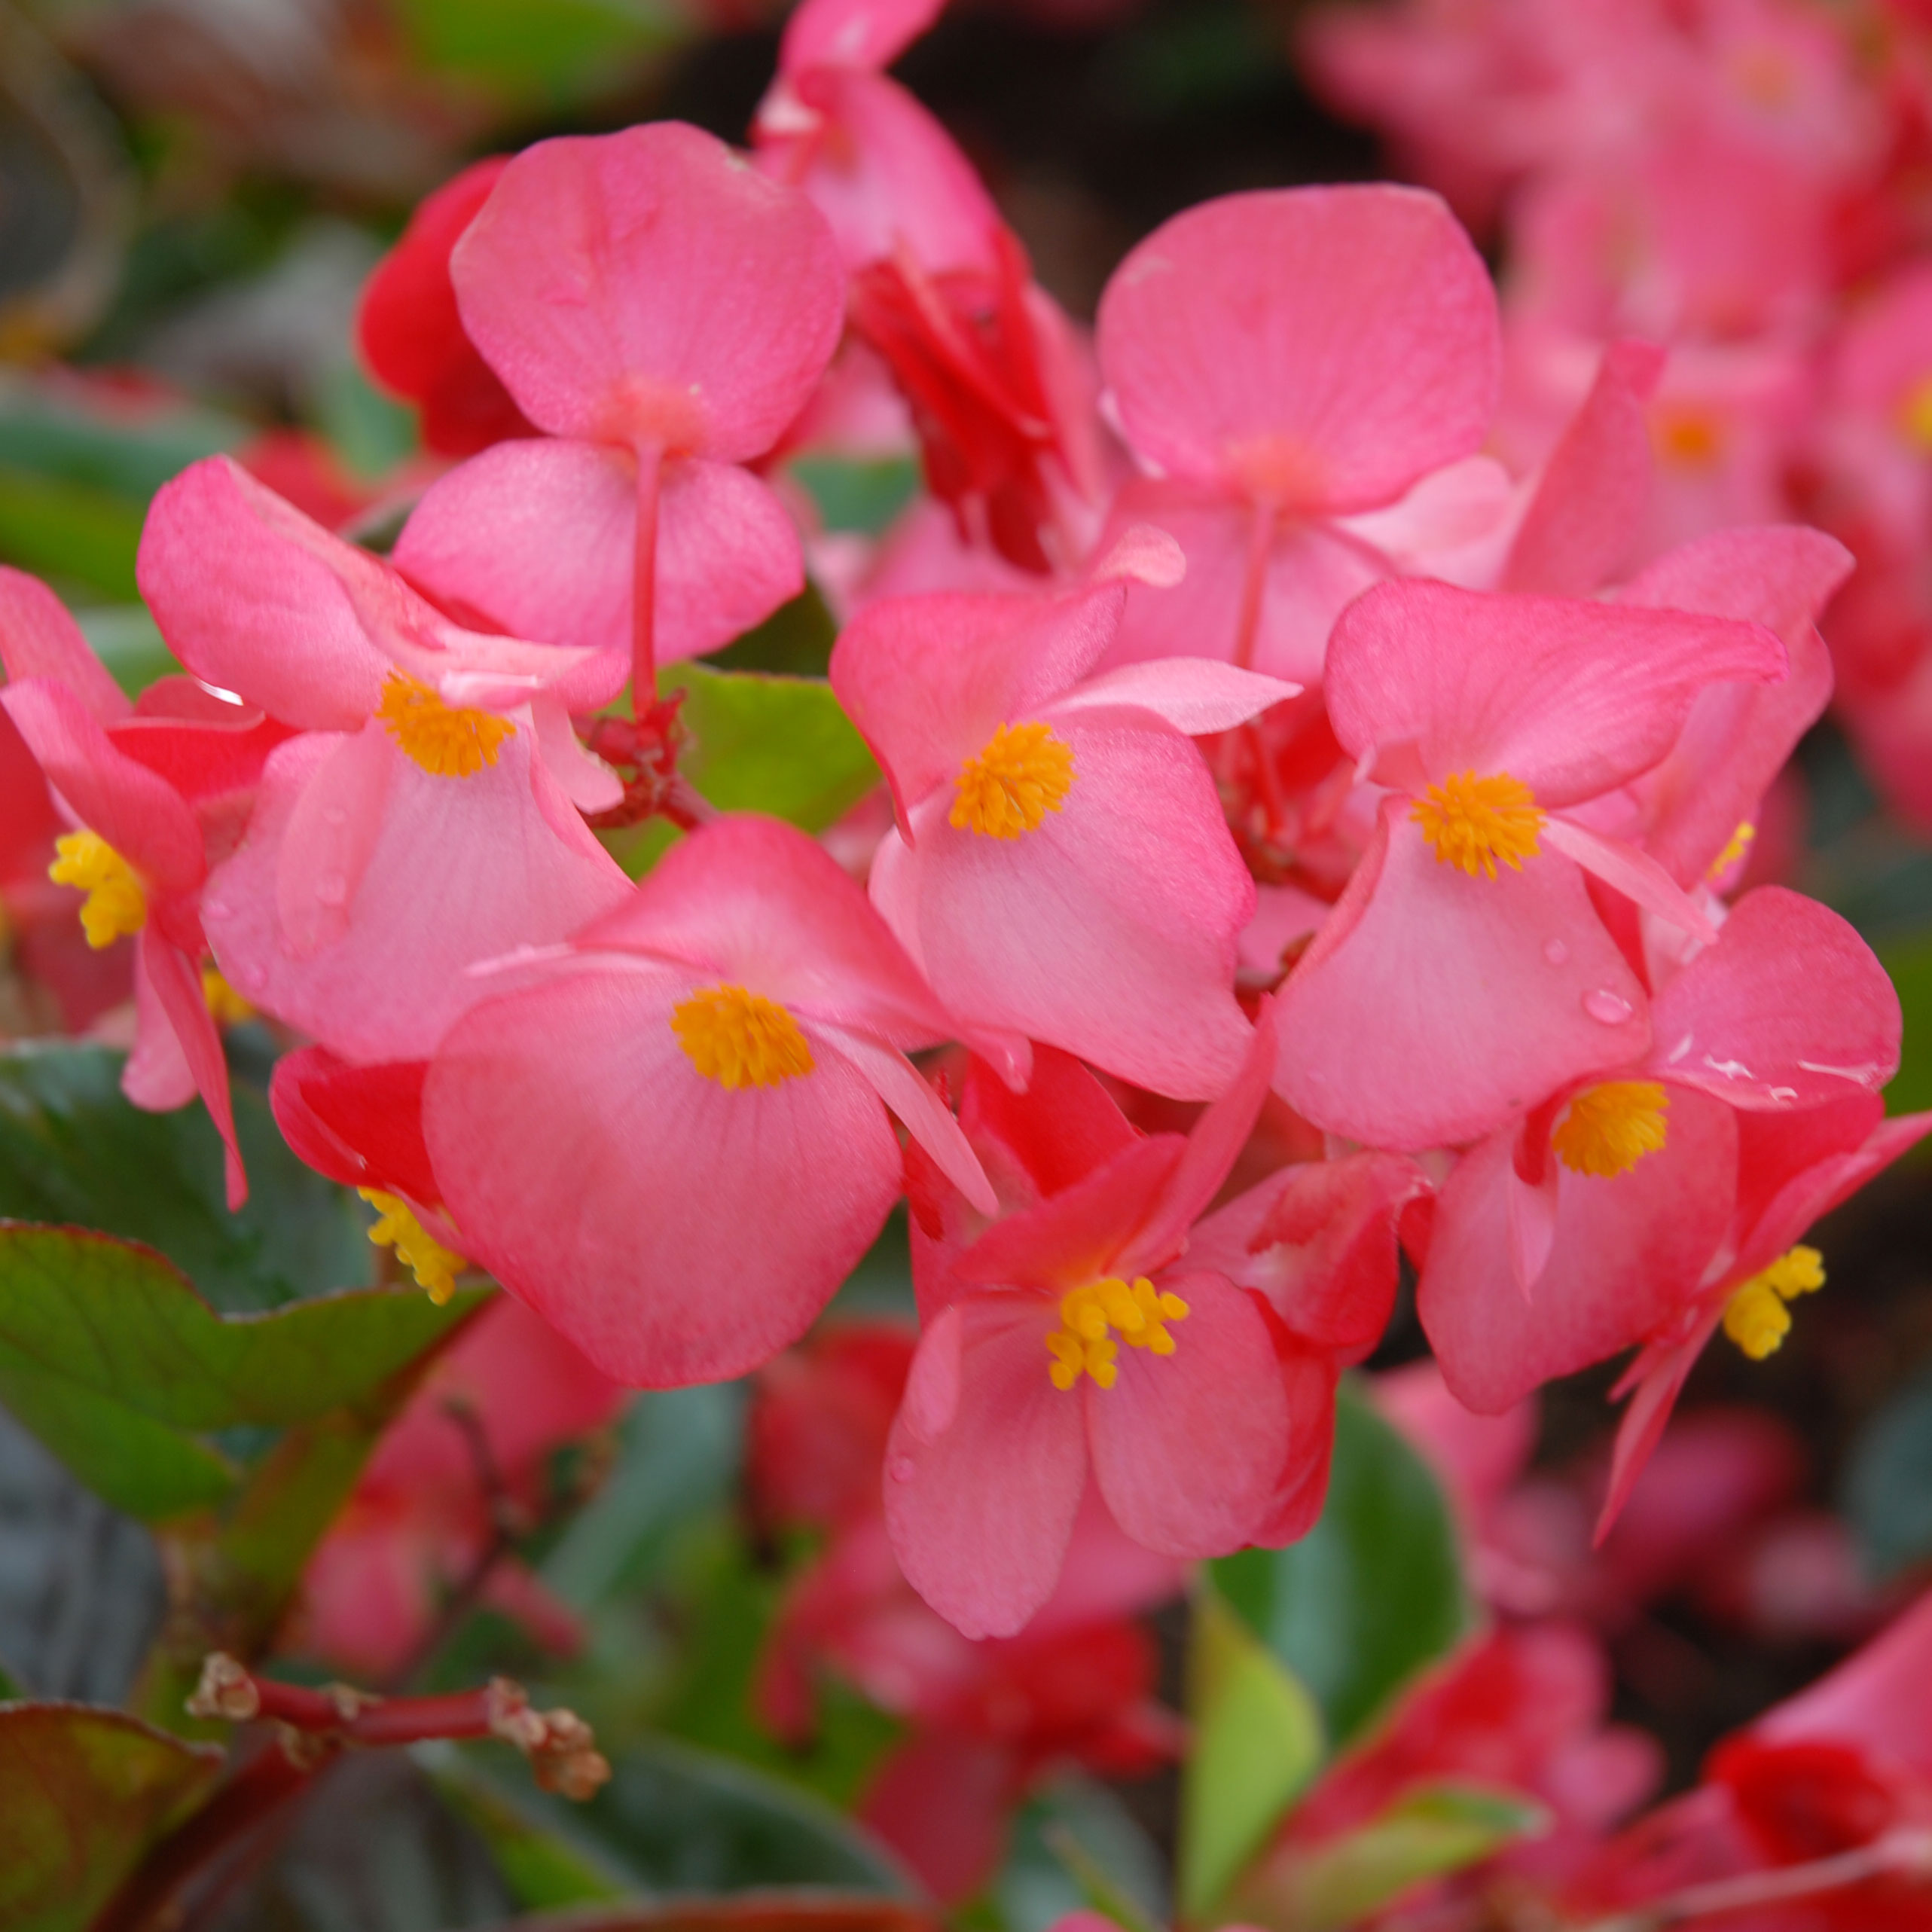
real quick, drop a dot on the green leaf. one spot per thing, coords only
(1075, 1846)
(129, 641)
(1908, 960)
(1257, 1743)
(795, 639)
(73, 1150)
(1374, 1592)
(1887, 1488)
(72, 531)
(865, 496)
(544, 1862)
(675, 1819)
(780, 745)
(83, 1794)
(552, 48)
(772, 1911)
(128, 452)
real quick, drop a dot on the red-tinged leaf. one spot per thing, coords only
(745, 1912)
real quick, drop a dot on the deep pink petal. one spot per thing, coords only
(1446, 1003)
(156, 1075)
(1109, 930)
(39, 639)
(176, 981)
(853, 33)
(1628, 1256)
(1573, 698)
(362, 1126)
(1660, 1373)
(1880, 1698)
(940, 1799)
(1309, 1376)
(1790, 1007)
(1327, 346)
(675, 1231)
(1061, 1127)
(1188, 1447)
(618, 284)
(980, 1518)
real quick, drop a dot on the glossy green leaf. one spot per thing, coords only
(1374, 1592)
(1908, 960)
(1888, 1487)
(1257, 1743)
(73, 1150)
(796, 640)
(82, 1793)
(763, 743)
(1428, 1832)
(541, 47)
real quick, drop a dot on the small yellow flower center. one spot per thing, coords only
(1740, 843)
(116, 906)
(435, 1266)
(1024, 773)
(226, 1007)
(1914, 416)
(740, 1039)
(1138, 1311)
(1755, 1318)
(1606, 1131)
(1473, 821)
(447, 743)
(1686, 439)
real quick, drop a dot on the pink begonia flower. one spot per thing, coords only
(986, 1718)
(149, 792)
(621, 285)
(677, 1141)
(1650, 1208)
(1283, 362)
(1022, 1387)
(425, 817)
(1061, 867)
(506, 1395)
(1504, 726)
(876, 164)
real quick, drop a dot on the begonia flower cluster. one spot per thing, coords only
(1306, 835)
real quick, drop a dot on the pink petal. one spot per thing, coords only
(1308, 1380)
(1327, 346)
(1188, 1447)
(940, 1799)
(1635, 874)
(1193, 695)
(156, 1075)
(853, 33)
(1062, 1127)
(1628, 1256)
(1789, 1008)
(334, 820)
(1108, 931)
(39, 639)
(362, 1126)
(1879, 1698)
(1572, 697)
(1518, 970)
(675, 1232)
(1661, 1372)
(616, 283)
(175, 980)
(584, 779)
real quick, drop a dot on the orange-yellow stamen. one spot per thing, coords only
(1740, 843)
(1686, 439)
(1023, 773)
(1138, 1312)
(1473, 821)
(1914, 416)
(116, 907)
(1607, 1130)
(226, 1007)
(447, 743)
(435, 1266)
(1755, 1318)
(741, 1039)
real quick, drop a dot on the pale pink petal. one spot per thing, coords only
(334, 816)
(1433, 1005)
(156, 1075)
(981, 1516)
(1788, 1009)
(1660, 1373)
(676, 1231)
(1880, 1698)
(1193, 695)
(39, 639)
(1635, 874)
(618, 285)
(583, 778)
(1326, 345)
(1188, 1447)
(1573, 698)
(853, 33)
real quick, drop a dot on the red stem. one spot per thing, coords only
(644, 580)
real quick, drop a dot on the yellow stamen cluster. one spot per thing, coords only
(116, 907)
(1755, 1318)
(1473, 821)
(1687, 439)
(226, 1007)
(1915, 417)
(741, 1039)
(1023, 773)
(447, 743)
(1139, 1312)
(435, 1266)
(1606, 1131)
(1740, 843)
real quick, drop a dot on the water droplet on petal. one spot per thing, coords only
(903, 1468)
(1610, 1008)
(1556, 952)
(332, 889)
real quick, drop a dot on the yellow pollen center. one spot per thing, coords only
(447, 743)
(1138, 1312)
(226, 1007)
(1740, 843)
(1755, 1318)
(435, 1266)
(1473, 821)
(740, 1039)
(1023, 773)
(116, 906)
(1686, 438)
(1607, 1130)
(1914, 416)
